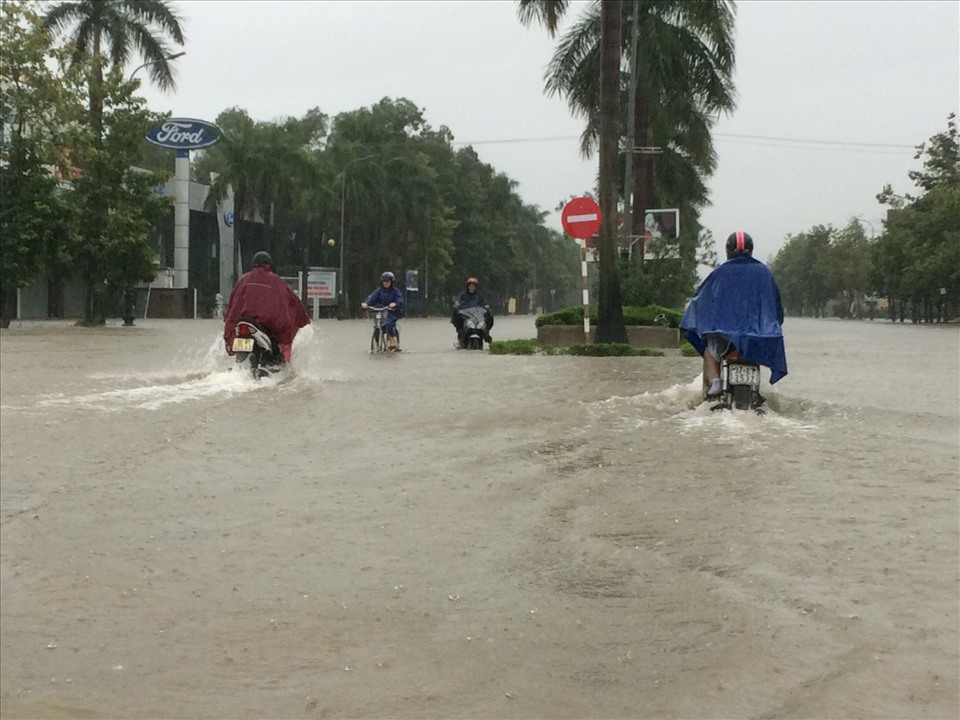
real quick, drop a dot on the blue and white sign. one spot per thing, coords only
(228, 219)
(412, 281)
(185, 134)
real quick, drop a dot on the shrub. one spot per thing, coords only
(632, 315)
(688, 350)
(566, 316)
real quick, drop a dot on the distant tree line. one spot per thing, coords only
(914, 264)
(78, 176)
(392, 193)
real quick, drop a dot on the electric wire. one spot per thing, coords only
(757, 140)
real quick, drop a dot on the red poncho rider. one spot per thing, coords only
(262, 295)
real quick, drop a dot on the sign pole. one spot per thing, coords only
(181, 221)
(585, 288)
(581, 219)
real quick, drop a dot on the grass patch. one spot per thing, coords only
(530, 347)
(514, 347)
(610, 350)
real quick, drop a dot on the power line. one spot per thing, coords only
(815, 142)
(832, 148)
(764, 140)
(516, 140)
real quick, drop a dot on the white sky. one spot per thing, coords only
(879, 72)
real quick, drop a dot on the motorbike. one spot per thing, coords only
(253, 345)
(474, 328)
(739, 383)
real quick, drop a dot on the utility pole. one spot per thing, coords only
(631, 118)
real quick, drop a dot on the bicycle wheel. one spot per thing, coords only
(375, 341)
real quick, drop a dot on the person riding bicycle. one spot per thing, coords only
(471, 297)
(386, 295)
(263, 296)
(738, 304)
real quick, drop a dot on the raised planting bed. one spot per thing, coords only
(641, 336)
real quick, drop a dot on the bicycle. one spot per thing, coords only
(378, 341)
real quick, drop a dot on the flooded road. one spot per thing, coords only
(450, 534)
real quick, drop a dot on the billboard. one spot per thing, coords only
(661, 230)
(322, 284)
(412, 281)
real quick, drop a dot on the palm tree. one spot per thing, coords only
(111, 27)
(610, 325)
(684, 67)
(237, 167)
(121, 24)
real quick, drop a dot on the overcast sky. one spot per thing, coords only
(867, 80)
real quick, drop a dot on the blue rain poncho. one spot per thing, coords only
(740, 300)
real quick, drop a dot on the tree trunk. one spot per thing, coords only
(8, 301)
(92, 315)
(96, 93)
(610, 327)
(238, 211)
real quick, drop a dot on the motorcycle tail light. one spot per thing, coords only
(244, 329)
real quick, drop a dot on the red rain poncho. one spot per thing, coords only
(262, 295)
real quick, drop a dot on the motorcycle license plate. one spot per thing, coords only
(243, 345)
(744, 375)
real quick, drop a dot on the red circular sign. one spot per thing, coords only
(581, 218)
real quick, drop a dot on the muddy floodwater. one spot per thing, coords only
(450, 534)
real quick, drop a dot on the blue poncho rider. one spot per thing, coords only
(471, 297)
(386, 295)
(739, 305)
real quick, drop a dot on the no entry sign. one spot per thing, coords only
(581, 218)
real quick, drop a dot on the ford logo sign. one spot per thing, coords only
(184, 134)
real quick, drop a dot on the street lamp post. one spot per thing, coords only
(344, 298)
(154, 62)
(873, 231)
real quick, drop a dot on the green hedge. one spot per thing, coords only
(632, 315)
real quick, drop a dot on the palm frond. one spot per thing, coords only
(545, 12)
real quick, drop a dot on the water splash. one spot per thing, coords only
(682, 404)
(308, 358)
(196, 373)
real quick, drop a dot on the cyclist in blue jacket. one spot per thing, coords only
(386, 295)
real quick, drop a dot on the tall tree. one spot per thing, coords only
(684, 65)
(102, 35)
(145, 25)
(918, 255)
(114, 253)
(35, 225)
(610, 325)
